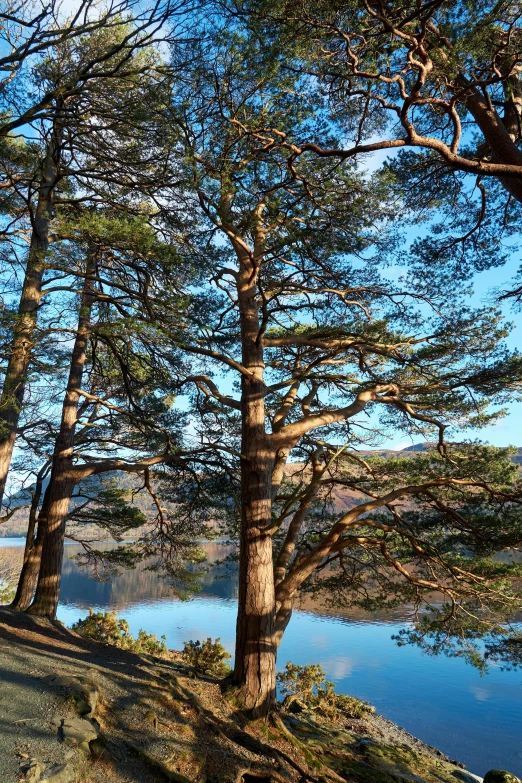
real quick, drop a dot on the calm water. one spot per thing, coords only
(445, 702)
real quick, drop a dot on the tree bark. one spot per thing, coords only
(20, 351)
(255, 661)
(499, 135)
(32, 556)
(283, 616)
(63, 477)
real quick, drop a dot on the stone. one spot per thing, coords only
(86, 698)
(82, 708)
(466, 777)
(83, 689)
(76, 731)
(64, 681)
(32, 770)
(500, 776)
(60, 773)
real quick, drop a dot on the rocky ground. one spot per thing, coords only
(74, 711)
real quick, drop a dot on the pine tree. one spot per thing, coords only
(309, 337)
(115, 411)
(82, 137)
(436, 89)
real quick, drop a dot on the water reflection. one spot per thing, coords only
(443, 701)
(220, 580)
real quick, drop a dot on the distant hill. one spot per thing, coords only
(421, 448)
(343, 499)
(16, 525)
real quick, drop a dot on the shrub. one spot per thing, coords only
(7, 593)
(206, 657)
(106, 627)
(9, 571)
(307, 688)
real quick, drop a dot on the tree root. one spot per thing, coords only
(258, 775)
(156, 764)
(325, 770)
(233, 733)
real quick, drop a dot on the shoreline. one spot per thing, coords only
(155, 714)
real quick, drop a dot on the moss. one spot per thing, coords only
(267, 732)
(365, 759)
(405, 763)
(500, 776)
(359, 772)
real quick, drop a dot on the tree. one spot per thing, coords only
(123, 414)
(421, 69)
(255, 280)
(30, 34)
(433, 86)
(308, 336)
(74, 157)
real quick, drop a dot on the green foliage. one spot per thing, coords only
(8, 578)
(308, 686)
(106, 627)
(472, 635)
(204, 178)
(444, 539)
(7, 593)
(206, 657)
(106, 504)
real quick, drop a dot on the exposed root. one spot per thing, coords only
(326, 772)
(258, 776)
(157, 764)
(232, 733)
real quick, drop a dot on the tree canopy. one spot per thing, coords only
(216, 287)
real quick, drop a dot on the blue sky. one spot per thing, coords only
(508, 430)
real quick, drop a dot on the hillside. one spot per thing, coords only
(344, 499)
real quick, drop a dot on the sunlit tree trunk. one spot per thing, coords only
(255, 660)
(21, 348)
(501, 134)
(63, 478)
(32, 555)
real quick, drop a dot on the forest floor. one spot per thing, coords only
(76, 711)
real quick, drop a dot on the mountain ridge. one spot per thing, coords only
(16, 526)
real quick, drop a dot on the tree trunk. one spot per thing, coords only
(499, 136)
(63, 477)
(255, 662)
(283, 616)
(32, 556)
(47, 592)
(20, 351)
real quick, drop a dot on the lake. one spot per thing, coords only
(444, 702)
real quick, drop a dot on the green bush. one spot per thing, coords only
(306, 687)
(106, 627)
(9, 572)
(206, 657)
(7, 593)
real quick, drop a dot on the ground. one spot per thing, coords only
(157, 722)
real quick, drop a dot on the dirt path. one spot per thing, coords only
(33, 651)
